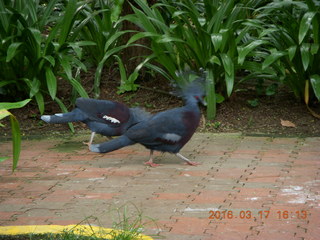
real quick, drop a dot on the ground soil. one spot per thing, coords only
(233, 115)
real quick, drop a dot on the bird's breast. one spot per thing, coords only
(190, 121)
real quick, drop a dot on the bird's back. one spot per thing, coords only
(104, 111)
(166, 131)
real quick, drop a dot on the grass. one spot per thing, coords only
(49, 236)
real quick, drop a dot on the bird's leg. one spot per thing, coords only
(150, 162)
(187, 160)
(91, 139)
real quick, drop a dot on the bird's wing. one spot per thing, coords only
(104, 111)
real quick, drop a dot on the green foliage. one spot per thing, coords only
(291, 29)
(101, 25)
(16, 136)
(38, 49)
(185, 34)
(253, 103)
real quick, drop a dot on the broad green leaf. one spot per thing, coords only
(123, 73)
(12, 50)
(64, 110)
(158, 70)
(76, 48)
(315, 28)
(33, 41)
(140, 35)
(244, 51)
(291, 52)
(229, 79)
(50, 59)
(305, 25)
(34, 86)
(51, 83)
(4, 113)
(229, 72)
(315, 83)
(65, 63)
(67, 21)
(305, 55)
(116, 10)
(40, 102)
(114, 38)
(8, 105)
(98, 72)
(216, 39)
(227, 63)
(178, 13)
(85, 43)
(274, 56)
(215, 60)
(47, 14)
(16, 141)
(166, 39)
(133, 76)
(4, 83)
(78, 87)
(219, 98)
(314, 48)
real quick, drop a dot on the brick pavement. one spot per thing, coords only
(246, 187)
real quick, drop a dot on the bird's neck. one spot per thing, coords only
(192, 104)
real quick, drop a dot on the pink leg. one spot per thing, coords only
(91, 140)
(150, 162)
(187, 160)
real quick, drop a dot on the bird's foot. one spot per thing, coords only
(86, 143)
(152, 164)
(193, 163)
(94, 148)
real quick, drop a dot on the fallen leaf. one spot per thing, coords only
(286, 123)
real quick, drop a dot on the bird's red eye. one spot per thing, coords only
(196, 97)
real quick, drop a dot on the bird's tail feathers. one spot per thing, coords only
(75, 116)
(112, 145)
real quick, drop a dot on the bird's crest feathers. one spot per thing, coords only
(190, 84)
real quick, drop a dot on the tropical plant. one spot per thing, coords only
(38, 50)
(291, 29)
(15, 128)
(194, 35)
(101, 25)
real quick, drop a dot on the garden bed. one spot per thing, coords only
(235, 114)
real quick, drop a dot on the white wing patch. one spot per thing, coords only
(111, 119)
(172, 137)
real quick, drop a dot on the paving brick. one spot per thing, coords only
(126, 173)
(212, 197)
(173, 196)
(188, 225)
(237, 174)
(5, 216)
(198, 173)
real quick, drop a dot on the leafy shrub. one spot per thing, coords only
(291, 29)
(101, 25)
(187, 34)
(34, 56)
